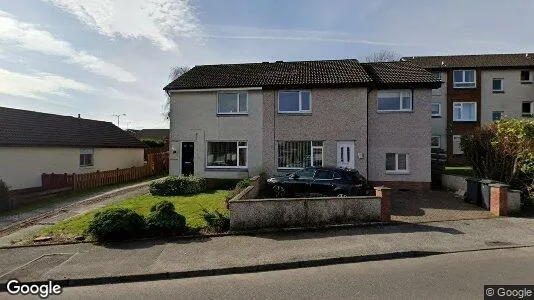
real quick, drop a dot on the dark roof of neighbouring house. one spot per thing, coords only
(498, 61)
(142, 134)
(276, 74)
(26, 128)
(398, 74)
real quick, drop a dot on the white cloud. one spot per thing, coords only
(29, 37)
(42, 86)
(155, 20)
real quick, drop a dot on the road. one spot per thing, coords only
(448, 276)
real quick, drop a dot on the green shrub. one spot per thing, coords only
(4, 195)
(153, 143)
(164, 220)
(216, 220)
(178, 185)
(117, 224)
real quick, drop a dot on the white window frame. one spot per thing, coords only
(463, 79)
(454, 104)
(524, 114)
(397, 171)
(439, 142)
(529, 76)
(432, 113)
(300, 111)
(237, 158)
(237, 93)
(88, 152)
(311, 155)
(401, 92)
(502, 84)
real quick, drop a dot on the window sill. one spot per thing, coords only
(398, 172)
(526, 82)
(467, 121)
(87, 167)
(394, 111)
(295, 113)
(498, 92)
(232, 115)
(232, 169)
(465, 88)
(436, 117)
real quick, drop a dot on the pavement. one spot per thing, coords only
(86, 264)
(450, 276)
(21, 226)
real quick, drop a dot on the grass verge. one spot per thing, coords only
(189, 206)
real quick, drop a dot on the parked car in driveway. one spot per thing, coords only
(319, 180)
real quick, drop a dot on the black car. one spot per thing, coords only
(319, 180)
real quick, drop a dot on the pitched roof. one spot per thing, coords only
(150, 133)
(474, 61)
(30, 129)
(400, 74)
(297, 73)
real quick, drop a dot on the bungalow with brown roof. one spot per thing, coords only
(236, 120)
(32, 143)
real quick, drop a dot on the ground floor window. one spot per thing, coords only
(226, 154)
(396, 162)
(436, 141)
(300, 154)
(86, 158)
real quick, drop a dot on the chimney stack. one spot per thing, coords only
(79, 117)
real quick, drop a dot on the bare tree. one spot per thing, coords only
(383, 56)
(173, 75)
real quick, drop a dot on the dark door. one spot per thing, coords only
(188, 157)
(323, 182)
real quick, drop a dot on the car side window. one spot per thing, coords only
(324, 174)
(337, 175)
(305, 173)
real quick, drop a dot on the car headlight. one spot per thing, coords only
(271, 180)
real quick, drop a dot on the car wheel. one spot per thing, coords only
(341, 194)
(279, 191)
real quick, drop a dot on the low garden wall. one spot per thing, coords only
(454, 182)
(303, 212)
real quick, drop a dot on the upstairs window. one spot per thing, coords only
(86, 158)
(464, 111)
(395, 100)
(436, 110)
(294, 102)
(498, 85)
(464, 79)
(525, 76)
(232, 103)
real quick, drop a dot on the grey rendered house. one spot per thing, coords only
(236, 120)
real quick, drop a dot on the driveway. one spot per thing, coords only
(433, 205)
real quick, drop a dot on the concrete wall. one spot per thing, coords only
(510, 101)
(194, 119)
(454, 182)
(22, 166)
(337, 115)
(401, 132)
(439, 124)
(302, 212)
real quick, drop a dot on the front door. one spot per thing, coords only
(188, 157)
(345, 154)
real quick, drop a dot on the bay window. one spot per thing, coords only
(300, 154)
(226, 154)
(395, 100)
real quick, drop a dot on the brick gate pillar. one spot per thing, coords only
(385, 203)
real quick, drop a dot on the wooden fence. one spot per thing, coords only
(157, 163)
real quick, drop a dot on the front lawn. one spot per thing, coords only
(189, 206)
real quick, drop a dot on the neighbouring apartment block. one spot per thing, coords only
(236, 120)
(476, 90)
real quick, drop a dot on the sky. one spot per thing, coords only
(101, 58)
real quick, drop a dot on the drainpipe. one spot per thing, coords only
(367, 126)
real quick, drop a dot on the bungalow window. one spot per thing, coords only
(300, 154)
(464, 111)
(396, 163)
(464, 79)
(436, 110)
(226, 154)
(294, 102)
(86, 158)
(232, 103)
(395, 100)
